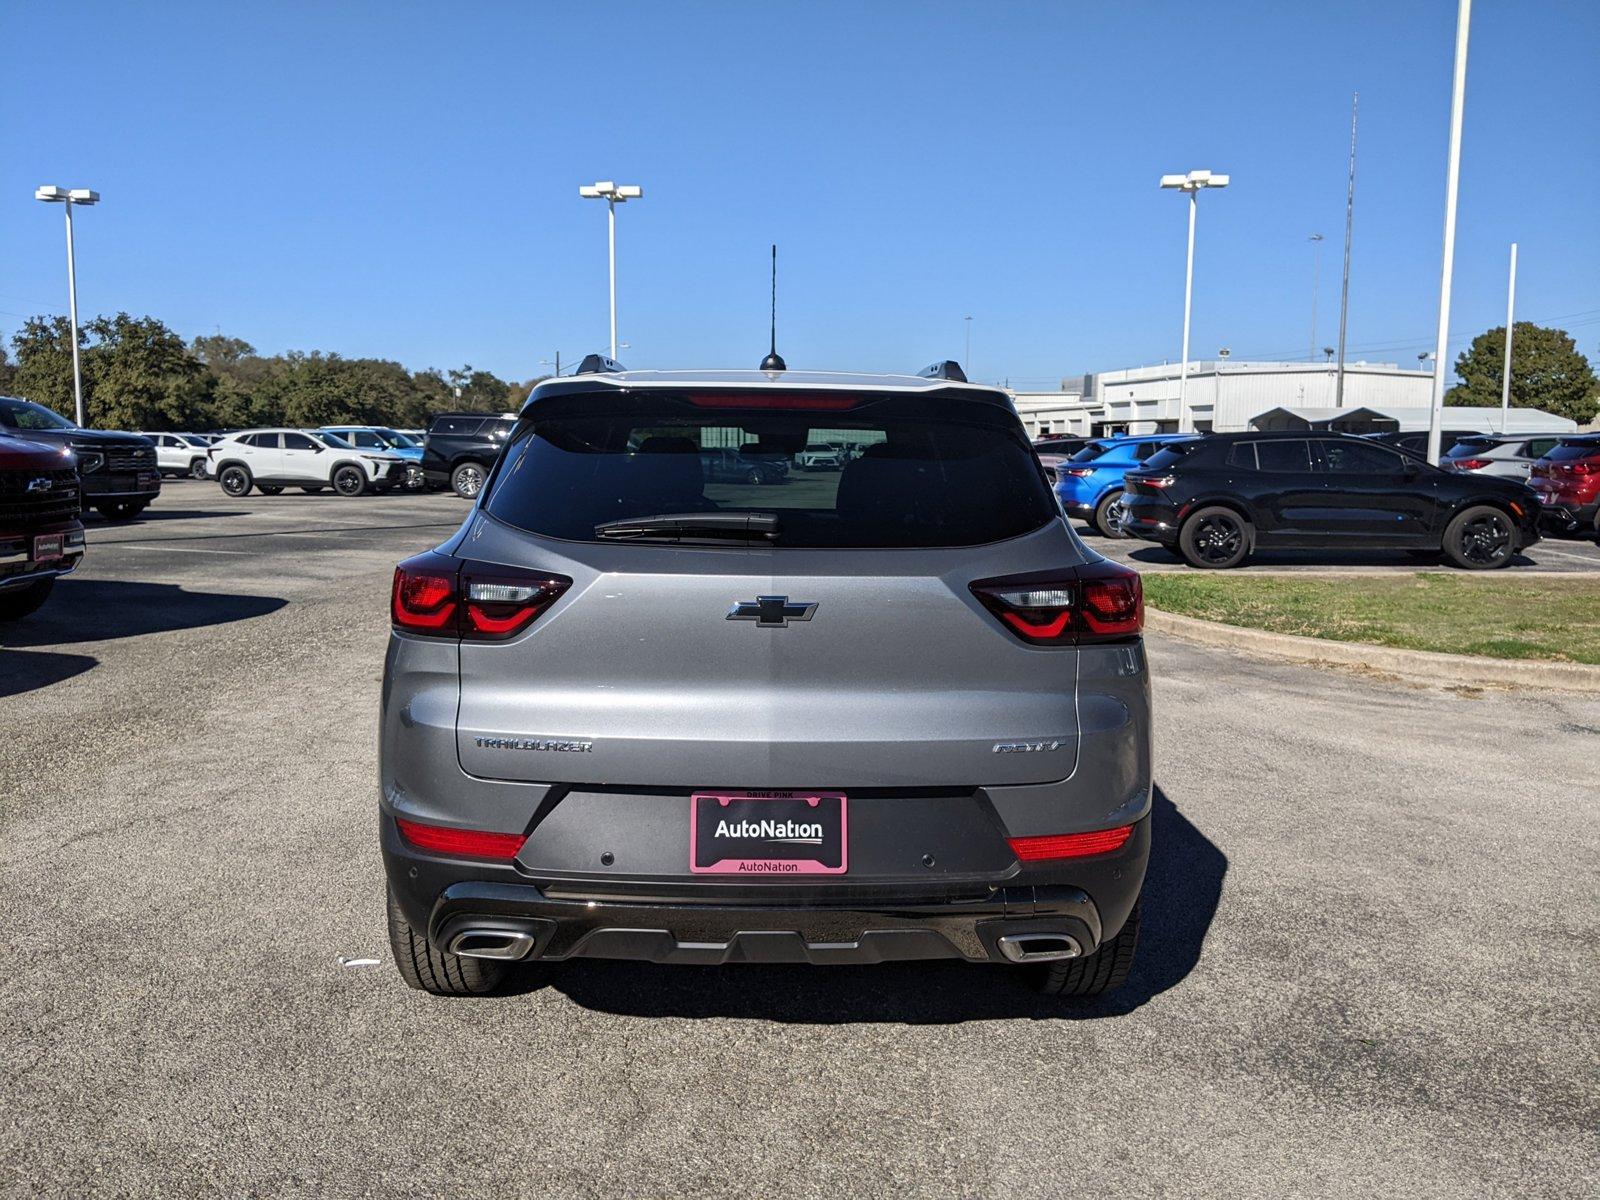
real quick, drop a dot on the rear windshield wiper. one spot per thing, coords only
(707, 526)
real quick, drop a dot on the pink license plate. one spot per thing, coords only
(768, 833)
(47, 546)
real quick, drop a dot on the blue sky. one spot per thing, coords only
(400, 179)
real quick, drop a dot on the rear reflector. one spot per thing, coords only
(1097, 602)
(792, 401)
(467, 843)
(1070, 845)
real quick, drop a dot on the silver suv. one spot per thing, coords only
(897, 712)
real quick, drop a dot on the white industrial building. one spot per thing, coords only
(1223, 396)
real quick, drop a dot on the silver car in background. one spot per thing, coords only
(1510, 456)
(631, 711)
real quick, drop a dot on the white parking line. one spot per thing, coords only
(1575, 556)
(165, 548)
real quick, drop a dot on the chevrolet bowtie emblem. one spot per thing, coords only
(771, 611)
(42, 484)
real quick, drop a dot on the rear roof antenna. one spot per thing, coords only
(773, 361)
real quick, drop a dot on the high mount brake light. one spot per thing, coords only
(1097, 602)
(788, 401)
(437, 596)
(467, 843)
(1071, 845)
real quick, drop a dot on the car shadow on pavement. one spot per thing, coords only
(152, 515)
(28, 670)
(1181, 894)
(97, 610)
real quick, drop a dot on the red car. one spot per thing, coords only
(1568, 483)
(40, 536)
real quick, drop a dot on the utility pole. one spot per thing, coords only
(1349, 221)
(1316, 240)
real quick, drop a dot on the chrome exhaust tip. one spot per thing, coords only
(501, 945)
(1039, 947)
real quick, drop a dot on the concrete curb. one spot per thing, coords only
(1424, 665)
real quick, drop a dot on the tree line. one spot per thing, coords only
(140, 374)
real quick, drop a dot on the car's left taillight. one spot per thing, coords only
(1465, 464)
(1097, 602)
(438, 596)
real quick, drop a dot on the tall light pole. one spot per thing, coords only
(1505, 376)
(1190, 183)
(967, 361)
(1349, 225)
(1458, 100)
(1316, 240)
(613, 194)
(66, 197)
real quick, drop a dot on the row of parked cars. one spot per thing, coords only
(1215, 498)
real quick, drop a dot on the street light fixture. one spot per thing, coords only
(1191, 183)
(68, 197)
(613, 194)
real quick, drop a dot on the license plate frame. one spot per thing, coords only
(722, 842)
(48, 547)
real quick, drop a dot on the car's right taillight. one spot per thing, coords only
(438, 596)
(1465, 464)
(1097, 602)
(1079, 472)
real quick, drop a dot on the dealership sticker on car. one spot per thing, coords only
(768, 833)
(47, 546)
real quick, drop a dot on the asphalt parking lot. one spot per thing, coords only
(1369, 963)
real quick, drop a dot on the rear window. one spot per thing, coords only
(456, 425)
(1271, 456)
(930, 472)
(1091, 452)
(1567, 451)
(1171, 455)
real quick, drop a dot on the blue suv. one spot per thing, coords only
(1090, 482)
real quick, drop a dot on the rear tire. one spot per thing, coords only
(1108, 516)
(197, 468)
(349, 481)
(1480, 539)
(428, 970)
(1103, 971)
(235, 481)
(272, 490)
(467, 480)
(25, 600)
(1215, 539)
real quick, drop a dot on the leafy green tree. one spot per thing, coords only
(8, 374)
(479, 391)
(1547, 371)
(137, 373)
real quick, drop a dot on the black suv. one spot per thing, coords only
(1217, 498)
(459, 449)
(117, 471)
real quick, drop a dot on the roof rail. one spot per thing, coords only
(948, 369)
(598, 364)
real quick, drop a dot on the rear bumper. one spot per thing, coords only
(1086, 900)
(1568, 517)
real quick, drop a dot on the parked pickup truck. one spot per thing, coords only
(117, 472)
(40, 535)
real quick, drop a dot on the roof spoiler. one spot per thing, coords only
(948, 369)
(598, 364)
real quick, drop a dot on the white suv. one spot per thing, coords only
(273, 459)
(180, 453)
